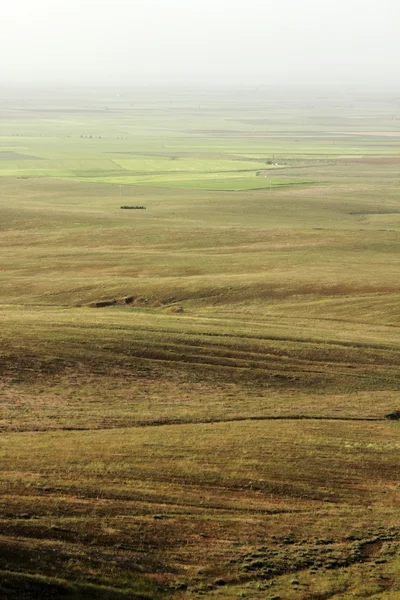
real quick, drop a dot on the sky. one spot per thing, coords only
(197, 42)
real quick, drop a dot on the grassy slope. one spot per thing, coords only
(222, 425)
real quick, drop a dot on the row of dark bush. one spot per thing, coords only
(134, 207)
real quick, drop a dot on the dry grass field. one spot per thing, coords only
(199, 399)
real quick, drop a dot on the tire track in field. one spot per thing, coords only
(210, 421)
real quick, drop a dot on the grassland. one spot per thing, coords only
(195, 397)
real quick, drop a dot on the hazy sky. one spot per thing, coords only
(200, 41)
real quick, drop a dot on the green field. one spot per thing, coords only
(199, 399)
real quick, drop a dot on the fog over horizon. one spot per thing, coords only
(207, 42)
